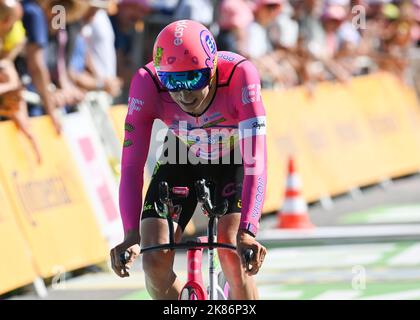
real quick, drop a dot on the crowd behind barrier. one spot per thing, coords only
(99, 44)
(64, 90)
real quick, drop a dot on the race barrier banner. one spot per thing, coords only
(343, 136)
(51, 206)
(118, 114)
(16, 264)
(100, 184)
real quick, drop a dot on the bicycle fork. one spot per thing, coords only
(195, 277)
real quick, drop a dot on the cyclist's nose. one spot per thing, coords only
(185, 94)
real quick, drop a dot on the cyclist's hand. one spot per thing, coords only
(130, 245)
(246, 241)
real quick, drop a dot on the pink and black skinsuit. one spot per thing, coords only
(234, 118)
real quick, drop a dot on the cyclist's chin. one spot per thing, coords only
(190, 107)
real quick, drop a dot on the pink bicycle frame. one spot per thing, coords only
(195, 277)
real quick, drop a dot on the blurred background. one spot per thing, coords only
(340, 80)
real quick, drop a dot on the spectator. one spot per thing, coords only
(93, 61)
(12, 32)
(308, 14)
(416, 39)
(395, 40)
(198, 10)
(234, 17)
(101, 39)
(12, 37)
(284, 33)
(126, 23)
(287, 40)
(45, 55)
(274, 70)
(374, 26)
(416, 26)
(340, 41)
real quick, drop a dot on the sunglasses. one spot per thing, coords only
(186, 80)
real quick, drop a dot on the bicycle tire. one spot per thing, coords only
(190, 293)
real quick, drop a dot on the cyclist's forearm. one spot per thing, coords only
(130, 198)
(254, 183)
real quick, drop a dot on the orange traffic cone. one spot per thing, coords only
(294, 213)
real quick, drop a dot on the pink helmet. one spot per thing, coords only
(185, 45)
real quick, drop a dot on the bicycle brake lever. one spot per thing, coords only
(202, 190)
(124, 256)
(162, 212)
(248, 255)
(164, 192)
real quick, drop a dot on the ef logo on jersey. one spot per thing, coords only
(251, 93)
(134, 104)
(211, 44)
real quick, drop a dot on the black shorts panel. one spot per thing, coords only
(225, 183)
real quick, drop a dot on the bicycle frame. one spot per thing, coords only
(194, 259)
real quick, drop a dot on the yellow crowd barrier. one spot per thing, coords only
(16, 265)
(343, 136)
(49, 201)
(117, 115)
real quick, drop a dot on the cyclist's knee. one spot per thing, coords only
(157, 263)
(227, 228)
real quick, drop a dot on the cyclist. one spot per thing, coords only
(212, 102)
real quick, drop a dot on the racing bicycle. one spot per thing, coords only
(194, 289)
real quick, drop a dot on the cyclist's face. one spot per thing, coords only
(191, 100)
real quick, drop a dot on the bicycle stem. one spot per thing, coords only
(171, 229)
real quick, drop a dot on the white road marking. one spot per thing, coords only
(410, 256)
(404, 295)
(338, 295)
(397, 214)
(276, 291)
(280, 295)
(326, 257)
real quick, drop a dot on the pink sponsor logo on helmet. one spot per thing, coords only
(179, 31)
(185, 45)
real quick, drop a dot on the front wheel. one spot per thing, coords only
(188, 294)
(192, 293)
